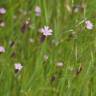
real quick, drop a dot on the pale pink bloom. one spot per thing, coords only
(89, 24)
(2, 10)
(2, 49)
(46, 31)
(37, 11)
(18, 66)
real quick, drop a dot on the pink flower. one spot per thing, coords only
(18, 66)
(46, 31)
(88, 24)
(2, 11)
(37, 11)
(2, 49)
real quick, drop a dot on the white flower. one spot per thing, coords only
(59, 64)
(45, 57)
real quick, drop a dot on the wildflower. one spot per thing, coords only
(2, 11)
(42, 38)
(2, 49)
(59, 64)
(25, 25)
(31, 40)
(45, 57)
(37, 11)
(46, 31)
(2, 23)
(78, 8)
(18, 67)
(88, 24)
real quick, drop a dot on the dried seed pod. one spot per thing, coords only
(18, 67)
(53, 78)
(11, 43)
(72, 35)
(78, 8)
(13, 54)
(16, 70)
(79, 70)
(25, 26)
(42, 38)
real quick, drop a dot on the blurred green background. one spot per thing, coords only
(71, 43)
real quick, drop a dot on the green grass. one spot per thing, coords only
(77, 51)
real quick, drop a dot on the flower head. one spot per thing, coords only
(2, 24)
(46, 31)
(25, 26)
(59, 64)
(18, 66)
(88, 24)
(37, 11)
(2, 11)
(2, 49)
(31, 40)
(46, 57)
